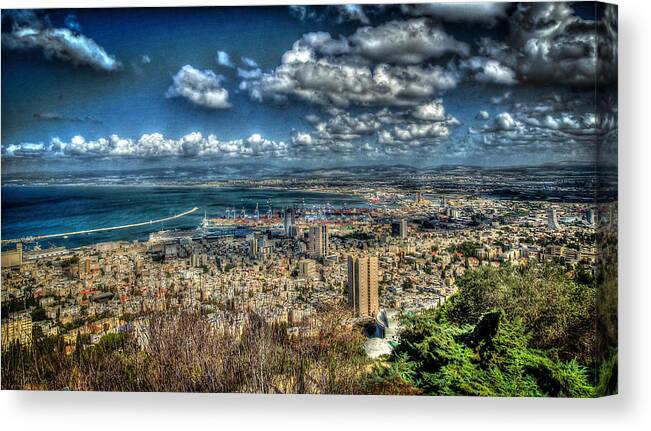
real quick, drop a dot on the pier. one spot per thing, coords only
(101, 229)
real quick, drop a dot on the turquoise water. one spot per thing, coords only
(32, 211)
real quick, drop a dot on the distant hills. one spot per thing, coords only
(255, 171)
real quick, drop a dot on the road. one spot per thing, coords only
(101, 229)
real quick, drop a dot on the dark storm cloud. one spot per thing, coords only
(548, 43)
(28, 31)
(567, 127)
(57, 117)
(72, 23)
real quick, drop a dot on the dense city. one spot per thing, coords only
(401, 253)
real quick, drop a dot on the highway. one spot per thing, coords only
(101, 229)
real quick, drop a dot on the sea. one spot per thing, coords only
(41, 210)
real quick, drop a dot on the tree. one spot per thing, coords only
(490, 358)
(78, 346)
(559, 312)
(38, 314)
(468, 248)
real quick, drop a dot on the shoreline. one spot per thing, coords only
(189, 186)
(357, 199)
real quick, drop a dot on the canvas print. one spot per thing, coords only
(394, 199)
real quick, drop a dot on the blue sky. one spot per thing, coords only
(488, 84)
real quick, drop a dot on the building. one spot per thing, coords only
(13, 258)
(590, 216)
(171, 251)
(552, 218)
(17, 328)
(557, 251)
(319, 241)
(294, 232)
(199, 259)
(289, 221)
(486, 253)
(452, 212)
(48, 253)
(363, 285)
(399, 229)
(254, 248)
(306, 268)
(87, 266)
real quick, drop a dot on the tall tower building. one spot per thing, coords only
(399, 228)
(83, 267)
(254, 247)
(289, 221)
(363, 285)
(319, 240)
(552, 218)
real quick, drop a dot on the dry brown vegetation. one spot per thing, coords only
(185, 353)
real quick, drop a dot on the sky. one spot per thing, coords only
(489, 84)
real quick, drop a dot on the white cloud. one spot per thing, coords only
(504, 121)
(483, 12)
(345, 81)
(375, 66)
(152, 146)
(406, 42)
(26, 150)
(352, 12)
(202, 88)
(336, 134)
(432, 111)
(409, 135)
(249, 62)
(423, 128)
(302, 139)
(321, 42)
(489, 70)
(249, 74)
(414, 131)
(497, 100)
(223, 59)
(340, 13)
